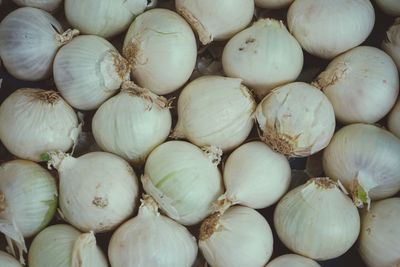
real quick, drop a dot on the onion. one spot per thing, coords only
(380, 234)
(8, 261)
(394, 120)
(48, 5)
(28, 201)
(151, 239)
(254, 176)
(327, 28)
(264, 55)
(317, 220)
(162, 50)
(362, 85)
(98, 191)
(30, 38)
(391, 44)
(104, 18)
(214, 110)
(296, 120)
(292, 260)
(132, 123)
(88, 71)
(391, 7)
(273, 4)
(216, 20)
(365, 160)
(239, 237)
(35, 121)
(184, 181)
(63, 246)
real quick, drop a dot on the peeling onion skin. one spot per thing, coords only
(273, 4)
(292, 260)
(317, 220)
(394, 120)
(365, 155)
(391, 44)
(296, 120)
(326, 28)
(162, 49)
(391, 7)
(216, 20)
(48, 5)
(7, 260)
(379, 243)
(362, 85)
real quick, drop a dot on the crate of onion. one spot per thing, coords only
(185, 133)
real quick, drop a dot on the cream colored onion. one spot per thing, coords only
(98, 191)
(239, 237)
(379, 244)
(28, 202)
(35, 121)
(391, 7)
(264, 55)
(132, 123)
(6, 260)
(273, 4)
(62, 245)
(151, 239)
(162, 49)
(391, 44)
(48, 5)
(326, 28)
(215, 110)
(255, 176)
(216, 20)
(104, 18)
(88, 71)
(362, 85)
(184, 181)
(394, 120)
(292, 260)
(317, 220)
(30, 38)
(296, 120)
(365, 159)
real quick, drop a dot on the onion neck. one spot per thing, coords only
(152, 99)
(214, 153)
(209, 226)
(81, 249)
(66, 37)
(222, 204)
(205, 36)
(58, 160)
(149, 206)
(331, 76)
(121, 65)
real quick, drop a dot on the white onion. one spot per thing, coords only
(317, 220)
(183, 180)
(394, 120)
(214, 110)
(63, 246)
(362, 85)
(391, 7)
(98, 191)
(35, 121)
(296, 120)
(216, 20)
(162, 49)
(239, 237)
(292, 260)
(48, 5)
(132, 123)
(255, 176)
(264, 55)
(151, 239)
(6, 260)
(379, 244)
(30, 38)
(391, 44)
(104, 18)
(365, 159)
(273, 4)
(328, 28)
(89, 70)
(28, 201)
